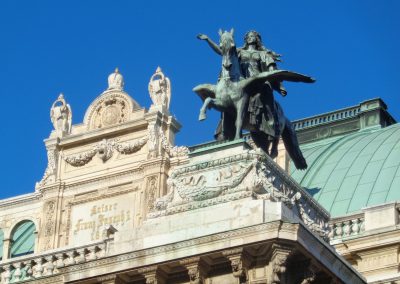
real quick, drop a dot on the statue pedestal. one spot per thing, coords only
(209, 221)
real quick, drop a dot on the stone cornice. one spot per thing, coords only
(372, 241)
(18, 200)
(272, 227)
(268, 232)
(97, 134)
(104, 179)
(289, 181)
(101, 196)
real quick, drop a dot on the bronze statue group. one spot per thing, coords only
(244, 95)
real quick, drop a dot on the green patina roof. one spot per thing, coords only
(353, 171)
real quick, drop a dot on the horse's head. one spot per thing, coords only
(229, 55)
(226, 42)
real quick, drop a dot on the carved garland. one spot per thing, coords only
(176, 151)
(104, 150)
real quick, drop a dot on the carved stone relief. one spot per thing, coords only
(239, 264)
(111, 108)
(49, 225)
(51, 169)
(197, 270)
(152, 187)
(153, 140)
(110, 112)
(236, 177)
(172, 151)
(279, 262)
(104, 150)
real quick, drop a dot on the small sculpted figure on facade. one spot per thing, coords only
(61, 116)
(160, 89)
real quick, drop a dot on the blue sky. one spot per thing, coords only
(48, 47)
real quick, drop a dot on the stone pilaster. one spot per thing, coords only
(279, 262)
(239, 262)
(152, 275)
(197, 270)
(110, 279)
(6, 249)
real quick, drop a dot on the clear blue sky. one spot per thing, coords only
(48, 47)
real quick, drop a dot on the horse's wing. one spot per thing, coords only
(275, 76)
(205, 90)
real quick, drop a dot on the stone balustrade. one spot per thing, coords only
(327, 117)
(48, 264)
(380, 217)
(346, 227)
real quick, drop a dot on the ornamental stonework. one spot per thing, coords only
(112, 108)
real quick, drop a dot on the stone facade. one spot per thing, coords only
(119, 202)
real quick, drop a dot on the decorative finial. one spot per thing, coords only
(115, 81)
(160, 89)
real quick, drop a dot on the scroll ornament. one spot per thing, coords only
(172, 151)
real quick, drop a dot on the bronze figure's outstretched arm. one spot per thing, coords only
(212, 44)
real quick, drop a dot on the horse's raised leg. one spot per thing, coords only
(240, 112)
(203, 115)
(274, 148)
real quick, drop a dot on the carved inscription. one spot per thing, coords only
(89, 220)
(100, 216)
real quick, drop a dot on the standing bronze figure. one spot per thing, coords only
(244, 95)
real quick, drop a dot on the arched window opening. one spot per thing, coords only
(23, 239)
